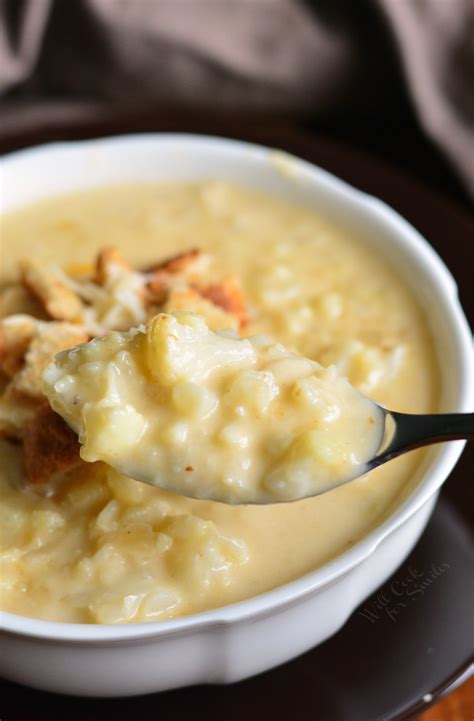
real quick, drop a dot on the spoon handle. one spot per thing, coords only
(412, 431)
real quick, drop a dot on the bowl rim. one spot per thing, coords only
(290, 593)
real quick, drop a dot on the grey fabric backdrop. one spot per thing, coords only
(325, 57)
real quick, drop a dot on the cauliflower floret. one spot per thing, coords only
(181, 347)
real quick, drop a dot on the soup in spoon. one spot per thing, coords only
(212, 415)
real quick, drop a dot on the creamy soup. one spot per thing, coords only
(95, 546)
(212, 415)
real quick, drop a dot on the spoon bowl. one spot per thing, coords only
(215, 416)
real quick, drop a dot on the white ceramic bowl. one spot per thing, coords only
(234, 642)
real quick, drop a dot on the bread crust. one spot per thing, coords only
(45, 284)
(228, 295)
(109, 264)
(50, 447)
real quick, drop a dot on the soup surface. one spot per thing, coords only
(96, 546)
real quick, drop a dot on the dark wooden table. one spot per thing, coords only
(457, 706)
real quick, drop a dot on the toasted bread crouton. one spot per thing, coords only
(44, 282)
(15, 299)
(228, 295)
(49, 339)
(50, 447)
(16, 333)
(110, 264)
(158, 288)
(16, 410)
(191, 300)
(177, 263)
(186, 267)
(124, 299)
